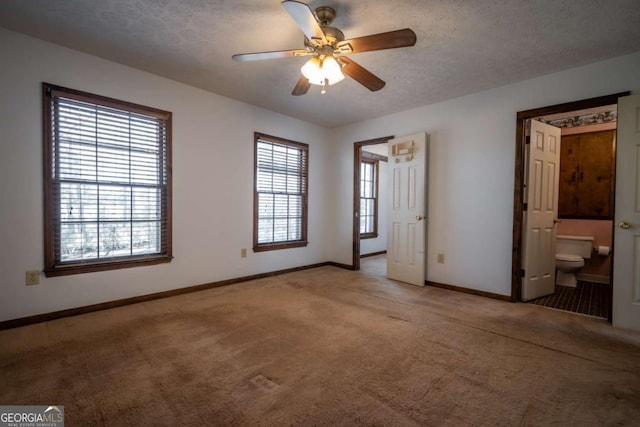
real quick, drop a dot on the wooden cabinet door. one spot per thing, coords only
(568, 195)
(596, 174)
(586, 175)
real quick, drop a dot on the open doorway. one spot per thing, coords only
(556, 114)
(369, 203)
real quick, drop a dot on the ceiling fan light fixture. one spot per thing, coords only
(332, 70)
(320, 72)
(312, 70)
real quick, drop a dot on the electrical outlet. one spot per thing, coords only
(33, 277)
(440, 258)
(243, 253)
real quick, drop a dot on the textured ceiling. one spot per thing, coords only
(463, 46)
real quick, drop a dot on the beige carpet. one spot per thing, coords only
(326, 347)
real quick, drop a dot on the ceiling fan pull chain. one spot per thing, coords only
(324, 85)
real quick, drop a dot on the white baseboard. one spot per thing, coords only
(597, 278)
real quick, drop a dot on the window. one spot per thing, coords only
(107, 183)
(368, 198)
(280, 196)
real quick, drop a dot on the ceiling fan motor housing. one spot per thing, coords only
(332, 34)
(325, 16)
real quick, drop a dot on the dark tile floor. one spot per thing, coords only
(589, 298)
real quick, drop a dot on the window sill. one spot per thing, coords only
(280, 245)
(368, 236)
(115, 264)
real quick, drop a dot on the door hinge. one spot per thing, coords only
(522, 272)
(525, 206)
(527, 139)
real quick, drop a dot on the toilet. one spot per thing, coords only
(571, 251)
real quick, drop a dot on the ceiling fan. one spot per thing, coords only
(327, 47)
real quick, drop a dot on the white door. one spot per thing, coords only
(541, 198)
(626, 248)
(406, 238)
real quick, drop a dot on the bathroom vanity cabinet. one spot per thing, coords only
(587, 163)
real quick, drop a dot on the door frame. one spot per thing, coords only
(519, 179)
(357, 157)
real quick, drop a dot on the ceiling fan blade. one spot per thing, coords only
(302, 14)
(390, 40)
(360, 74)
(302, 86)
(242, 57)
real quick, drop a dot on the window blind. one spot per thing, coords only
(109, 181)
(281, 187)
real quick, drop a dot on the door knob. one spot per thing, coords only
(419, 217)
(555, 221)
(625, 225)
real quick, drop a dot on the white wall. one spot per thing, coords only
(212, 181)
(472, 162)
